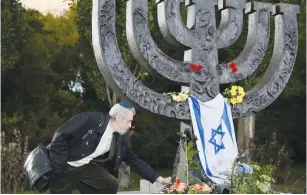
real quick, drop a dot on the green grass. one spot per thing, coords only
(298, 170)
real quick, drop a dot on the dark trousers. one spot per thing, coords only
(90, 178)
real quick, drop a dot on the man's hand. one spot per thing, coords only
(163, 180)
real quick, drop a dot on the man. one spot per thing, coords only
(87, 150)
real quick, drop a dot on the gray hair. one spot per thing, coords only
(118, 109)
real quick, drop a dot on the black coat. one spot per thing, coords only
(80, 136)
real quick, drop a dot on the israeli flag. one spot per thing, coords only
(217, 146)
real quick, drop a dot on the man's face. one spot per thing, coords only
(124, 123)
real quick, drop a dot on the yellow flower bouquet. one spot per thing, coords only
(178, 97)
(235, 94)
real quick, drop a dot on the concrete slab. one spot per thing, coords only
(129, 192)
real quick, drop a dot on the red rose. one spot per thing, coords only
(234, 70)
(177, 182)
(232, 65)
(196, 68)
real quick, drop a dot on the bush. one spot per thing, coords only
(275, 153)
(13, 155)
(259, 182)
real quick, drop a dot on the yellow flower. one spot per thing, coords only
(240, 89)
(206, 188)
(234, 87)
(242, 94)
(239, 99)
(183, 96)
(180, 99)
(175, 98)
(233, 100)
(233, 92)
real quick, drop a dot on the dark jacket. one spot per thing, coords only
(80, 136)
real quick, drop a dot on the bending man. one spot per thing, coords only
(87, 150)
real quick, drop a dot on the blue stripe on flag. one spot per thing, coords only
(226, 120)
(197, 114)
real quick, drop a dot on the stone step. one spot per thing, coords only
(145, 188)
(129, 192)
(148, 188)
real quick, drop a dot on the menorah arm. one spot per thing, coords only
(279, 71)
(256, 45)
(144, 49)
(231, 24)
(118, 75)
(171, 25)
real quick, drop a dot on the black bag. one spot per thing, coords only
(38, 168)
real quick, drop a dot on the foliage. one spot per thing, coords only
(40, 83)
(13, 155)
(275, 153)
(257, 183)
(157, 140)
(296, 182)
(191, 153)
(13, 33)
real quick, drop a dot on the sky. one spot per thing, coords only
(54, 6)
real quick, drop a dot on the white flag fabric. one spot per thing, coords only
(217, 146)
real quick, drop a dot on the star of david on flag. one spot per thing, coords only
(213, 140)
(213, 126)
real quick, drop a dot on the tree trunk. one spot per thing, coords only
(246, 132)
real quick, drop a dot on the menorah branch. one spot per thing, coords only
(256, 45)
(116, 72)
(231, 24)
(281, 65)
(144, 49)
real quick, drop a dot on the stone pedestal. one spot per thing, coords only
(148, 188)
(246, 133)
(183, 164)
(182, 167)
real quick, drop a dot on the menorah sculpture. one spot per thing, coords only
(202, 40)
